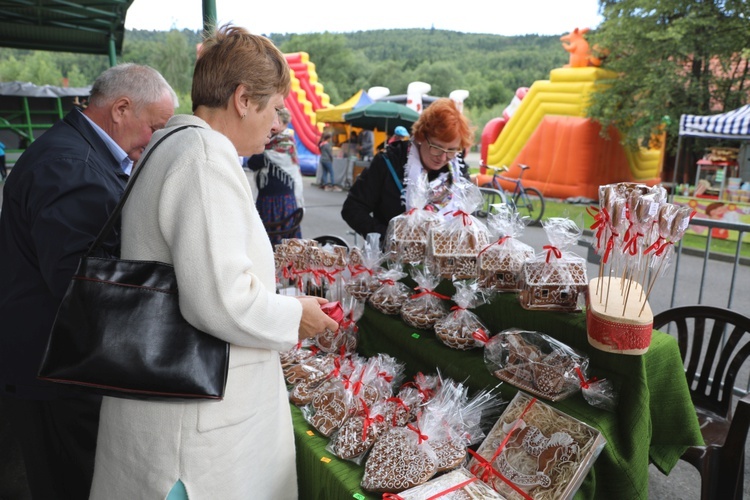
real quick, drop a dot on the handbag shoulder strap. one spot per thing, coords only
(120, 204)
(393, 173)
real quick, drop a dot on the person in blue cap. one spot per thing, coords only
(399, 134)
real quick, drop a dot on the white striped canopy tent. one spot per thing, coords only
(733, 125)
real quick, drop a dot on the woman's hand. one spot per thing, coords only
(314, 320)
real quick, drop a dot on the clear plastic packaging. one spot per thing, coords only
(461, 328)
(363, 268)
(453, 245)
(406, 237)
(555, 279)
(392, 294)
(500, 264)
(400, 459)
(424, 307)
(346, 336)
(458, 484)
(539, 450)
(536, 363)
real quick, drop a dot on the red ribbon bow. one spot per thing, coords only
(601, 221)
(655, 246)
(426, 291)
(585, 384)
(481, 336)
(610, 246)
(632, 245)
(399, 404)
(465, 218)
(551, 249)
(368, 420)
(500, 241)
(456, 310)
(359, 269)
(420, 437)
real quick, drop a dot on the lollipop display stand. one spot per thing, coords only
(614, 324)
(636, 230)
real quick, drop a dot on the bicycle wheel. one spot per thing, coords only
(530, 203)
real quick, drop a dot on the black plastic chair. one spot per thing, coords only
(712, 363)
(285, 227)
(332, 240)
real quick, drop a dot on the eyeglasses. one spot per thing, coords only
(438, 151)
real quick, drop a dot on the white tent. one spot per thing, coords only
(733, 125)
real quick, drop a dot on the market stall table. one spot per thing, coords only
(655, 420)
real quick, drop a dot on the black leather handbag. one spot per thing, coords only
(119, 331)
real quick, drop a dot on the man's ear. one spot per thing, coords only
(120, 107)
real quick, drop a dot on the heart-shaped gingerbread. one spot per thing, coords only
(398, 462)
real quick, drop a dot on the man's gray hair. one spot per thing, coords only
(142, 84)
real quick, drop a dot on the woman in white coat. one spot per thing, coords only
(192, 206)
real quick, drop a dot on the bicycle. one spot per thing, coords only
(528, 201)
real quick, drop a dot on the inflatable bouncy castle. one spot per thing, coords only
(305, 98)
(547, 129)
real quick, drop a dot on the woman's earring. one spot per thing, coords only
(244, 115)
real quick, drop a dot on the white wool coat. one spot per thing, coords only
(192, 206)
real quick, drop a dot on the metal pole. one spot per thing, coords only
(676, 166)
(209, 16)
(112, 51)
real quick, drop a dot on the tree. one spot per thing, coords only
(175, 60)
(672, 57)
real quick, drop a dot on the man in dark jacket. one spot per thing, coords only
(57, 198)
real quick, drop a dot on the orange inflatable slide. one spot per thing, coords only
(568, 156)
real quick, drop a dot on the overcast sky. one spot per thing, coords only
(510, 18)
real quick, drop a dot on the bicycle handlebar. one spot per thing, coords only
(497, 169)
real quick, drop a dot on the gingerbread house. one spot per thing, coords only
(500, 268)
(407, 236)
(554, 285)
(453, 254)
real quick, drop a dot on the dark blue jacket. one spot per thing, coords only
(56, 199)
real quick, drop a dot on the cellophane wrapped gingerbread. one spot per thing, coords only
(371, 391)
(458, 484)
(306, 376)
(333, 401)
(346, 336)
(460, 328)
(453, 245)
(460, 417)
(536, 363)
(536, 451)
(402, 458)
(411, 397)
(392, 293)
(555, 279)
(425, 306)
(406, 238)
(500, 264)
(363, 267)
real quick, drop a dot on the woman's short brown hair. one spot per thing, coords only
(442, 120)
(232, 56)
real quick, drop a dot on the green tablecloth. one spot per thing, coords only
(655, 420)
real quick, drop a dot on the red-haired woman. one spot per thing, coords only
(437, 142)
